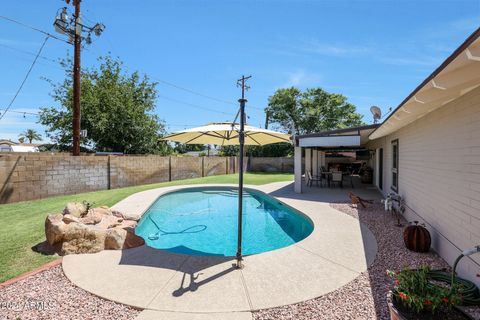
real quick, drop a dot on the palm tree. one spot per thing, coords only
(30, 135)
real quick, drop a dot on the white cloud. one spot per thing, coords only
(411, 60)
(466, 24)
(301, 78)
(315, 46)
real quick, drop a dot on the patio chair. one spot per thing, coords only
(323, 177)
(337, 178)
(312, 179)
(357, 200)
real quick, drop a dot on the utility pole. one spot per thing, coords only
(241, 138)
(74, 27)
(76, 81)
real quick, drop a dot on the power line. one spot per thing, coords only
(33, 28)
(184, 125)
(193, 105)
(21, 112)
(26, 77)
(28, 52)
(155, 78)
(191, 91)
(198, 93)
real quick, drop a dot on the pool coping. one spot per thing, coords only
(327, 259)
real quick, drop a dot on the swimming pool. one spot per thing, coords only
(203, 221)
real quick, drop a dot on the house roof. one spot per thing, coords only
(5, 141)
(23, 148)
(457, 75)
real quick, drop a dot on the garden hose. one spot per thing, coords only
(467, 289)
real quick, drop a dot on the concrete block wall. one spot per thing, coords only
(271, 164)
(32, 176)
(214, 166)
(439, 176)
(186, 167)
(137, 170)
(40, 175)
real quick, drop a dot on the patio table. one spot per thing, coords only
(328, 177)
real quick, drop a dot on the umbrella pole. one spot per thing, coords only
(241, 137)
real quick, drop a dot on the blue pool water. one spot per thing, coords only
(203, 221)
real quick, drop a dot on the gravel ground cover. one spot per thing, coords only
(50, 295)
(364, 297)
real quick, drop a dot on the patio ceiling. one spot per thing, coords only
(458, 74)
(340, 138)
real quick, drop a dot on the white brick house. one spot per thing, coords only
(428, 151)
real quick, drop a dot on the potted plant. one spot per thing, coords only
(415, 296)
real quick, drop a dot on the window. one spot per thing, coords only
(395, 165)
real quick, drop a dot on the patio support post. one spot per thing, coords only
(308, 160)
(315, 162)
(298, 169)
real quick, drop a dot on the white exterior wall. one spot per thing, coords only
(439, 176)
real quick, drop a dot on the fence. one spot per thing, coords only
(35, 176)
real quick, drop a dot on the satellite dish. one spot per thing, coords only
(377, 113)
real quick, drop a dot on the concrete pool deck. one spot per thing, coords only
(176, 286)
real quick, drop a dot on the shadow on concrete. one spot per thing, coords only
(6, 190)
(328, 194)
(191, 265)
(373, 221)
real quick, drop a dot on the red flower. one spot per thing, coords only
(396, 282)
(402, 296)
(427, 302)
(445, 300)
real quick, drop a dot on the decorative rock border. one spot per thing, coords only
(25, 275)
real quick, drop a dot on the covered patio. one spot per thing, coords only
(333, 158)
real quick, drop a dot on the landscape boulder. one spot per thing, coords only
(76, 209)
(77, 230)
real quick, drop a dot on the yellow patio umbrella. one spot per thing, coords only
(227, 134)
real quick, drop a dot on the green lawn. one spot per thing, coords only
(22, 223)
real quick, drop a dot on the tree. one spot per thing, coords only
(283, 149)
(30, 135)
(117, 110)
(313, 110)
(184, 148)
(229, 151)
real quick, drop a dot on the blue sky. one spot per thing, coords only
(374, 52)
